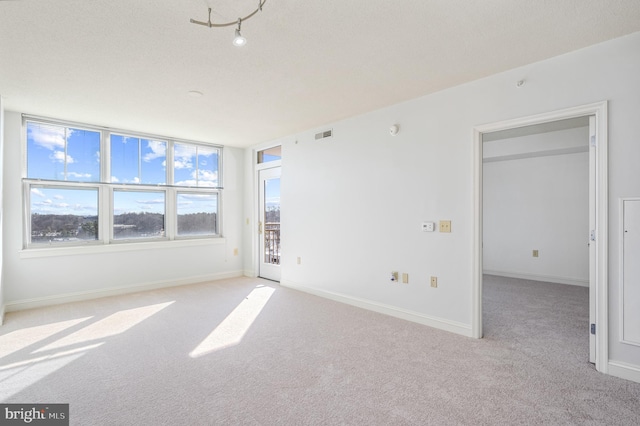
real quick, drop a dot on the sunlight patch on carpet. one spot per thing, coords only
(112, 325)
(231, 331)
(20, 339)
(16, 377)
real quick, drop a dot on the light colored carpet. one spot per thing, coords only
(247, 352)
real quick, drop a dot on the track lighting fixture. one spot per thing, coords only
(238, 40)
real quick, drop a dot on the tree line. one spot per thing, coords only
(45, 227)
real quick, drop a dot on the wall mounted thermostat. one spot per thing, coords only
(428, 226)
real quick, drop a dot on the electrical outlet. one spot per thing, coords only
(299, 260)
(405, 278)
(535, 253)
(445, 226)
(394, 277)
(235, 251)
(434, 282)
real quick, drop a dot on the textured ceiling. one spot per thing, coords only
(130, 64)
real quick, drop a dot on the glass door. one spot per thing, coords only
(269, 223)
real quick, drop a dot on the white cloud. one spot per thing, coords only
(62, 205)
(204, 152)
(156, 201)
(183, 163)
(47, 201)
(195, 196)
(158, 150)
(184, 156)
(114, 179)
(37, 192)
(207, 175)
(188, 182)
(79, 175)
(49, 137)
(58, 197)
(58, 156)
(182, 150)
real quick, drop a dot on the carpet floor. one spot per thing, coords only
(248, 352)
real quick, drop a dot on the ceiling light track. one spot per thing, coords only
(238, 40)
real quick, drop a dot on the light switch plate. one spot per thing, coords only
(428, 226)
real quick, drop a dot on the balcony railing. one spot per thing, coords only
(272, 243)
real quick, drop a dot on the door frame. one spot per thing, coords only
(600, 286)
(254, 213)
(277, 170)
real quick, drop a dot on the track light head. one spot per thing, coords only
(239, 40)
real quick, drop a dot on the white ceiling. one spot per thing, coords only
(130, 64)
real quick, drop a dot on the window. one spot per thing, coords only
(138, 214)
(271, 154)
(136, 160)
(145, 188)
(195, 165)
(60, 214)
(197, 213)
(62, 153)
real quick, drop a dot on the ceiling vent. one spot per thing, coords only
(325, 134)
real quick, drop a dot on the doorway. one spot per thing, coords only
(269, 223)
(596, 114)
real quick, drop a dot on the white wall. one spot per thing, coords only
(352, 205)
(1, 208)
(35, 281)
(538, 203)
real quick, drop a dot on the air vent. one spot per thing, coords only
(325, 134)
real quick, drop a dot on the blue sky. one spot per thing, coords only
(272, 193)
(133, 160)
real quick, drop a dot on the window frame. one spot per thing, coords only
(28, 184)
(130, 189)
(106, 189)
(192, 190)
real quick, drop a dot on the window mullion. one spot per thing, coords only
(171, 223)
(170, 175)
(66, 150)
(171, 219)
(105, 214)
(105, 157)
(197, 165)
(139, 160)
(105, 208)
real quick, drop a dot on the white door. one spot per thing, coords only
(269, 223)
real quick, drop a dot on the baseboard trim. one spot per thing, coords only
(624, 371)
(439, 323)
(534, 277)
(39, 302)
(250, 273)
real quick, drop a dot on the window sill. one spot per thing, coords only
(116, 248)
